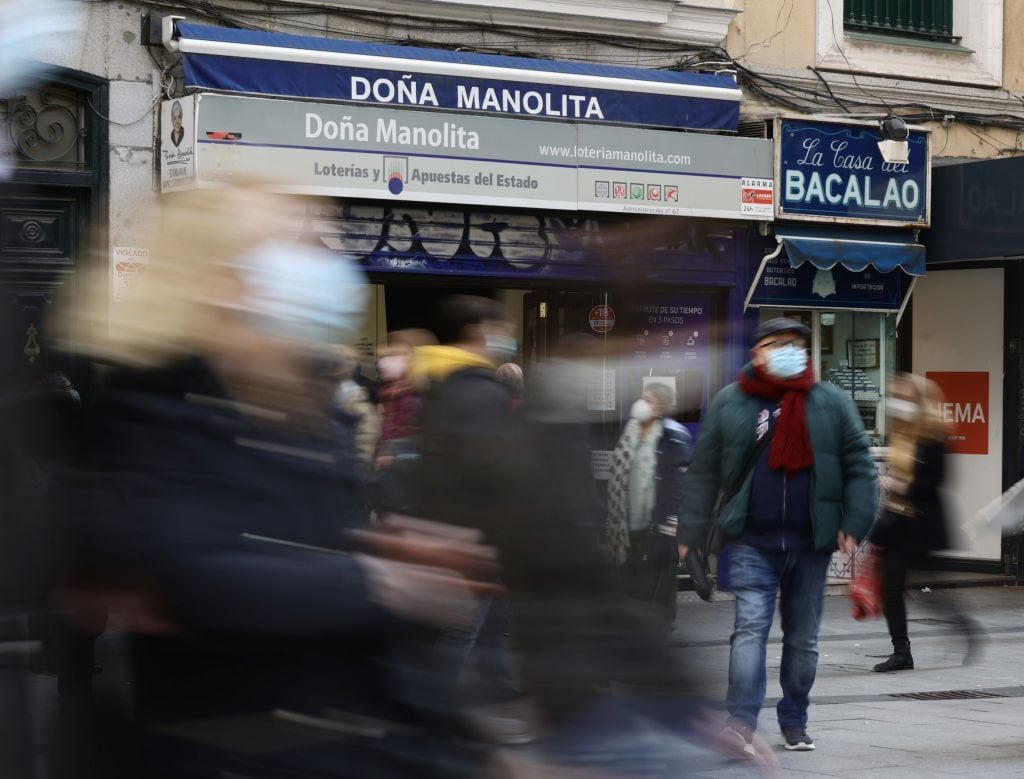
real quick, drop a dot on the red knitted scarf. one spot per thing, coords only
(791, 447)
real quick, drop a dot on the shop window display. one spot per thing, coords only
(856, 352)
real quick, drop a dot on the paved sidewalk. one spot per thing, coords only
(860, 724)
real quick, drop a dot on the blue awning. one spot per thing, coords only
(265, 63)
(855, 250)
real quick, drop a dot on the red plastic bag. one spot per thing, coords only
(866, 590)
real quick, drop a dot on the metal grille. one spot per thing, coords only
(946, 695)
(929, 19)
(757, 128)
(47, 129)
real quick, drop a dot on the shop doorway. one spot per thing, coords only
(549, 317)
(412, 306)
(42, 236)
(52, 216)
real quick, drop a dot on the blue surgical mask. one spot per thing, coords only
(302, 293)
(500, 348)
(787, 362)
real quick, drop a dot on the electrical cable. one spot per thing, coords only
(831, 94)
(832, 27)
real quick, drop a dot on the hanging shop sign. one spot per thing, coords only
(178, 144)
(807, 286)
(831, 172)
(400, 155)
(304, 67)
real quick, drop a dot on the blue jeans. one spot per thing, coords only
(756, 576)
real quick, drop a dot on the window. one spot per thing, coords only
(975, 60)
(927, 19)
(855, 351)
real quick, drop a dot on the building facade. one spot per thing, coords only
(954, 69)
(672, 292)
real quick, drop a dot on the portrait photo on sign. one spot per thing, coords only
(177, 144)
(177, 124)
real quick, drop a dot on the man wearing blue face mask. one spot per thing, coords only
(789, 458)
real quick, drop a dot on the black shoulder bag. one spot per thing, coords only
(698, 559)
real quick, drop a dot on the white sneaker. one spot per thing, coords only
(797, 740)
(742, 739)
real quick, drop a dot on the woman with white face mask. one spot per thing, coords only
(644, 493)
(913, 519)
(213, 506)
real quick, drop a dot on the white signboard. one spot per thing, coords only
(178, 144)
(127, 268)
(757, 198)
(430, 156)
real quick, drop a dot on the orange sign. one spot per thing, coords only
(763, 197)
(965, 408)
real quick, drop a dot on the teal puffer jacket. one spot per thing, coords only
(844, 489)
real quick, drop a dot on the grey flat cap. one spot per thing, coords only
(780, 325)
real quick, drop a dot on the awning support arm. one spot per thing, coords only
(906, 300)
(760, 272)
(168, 33)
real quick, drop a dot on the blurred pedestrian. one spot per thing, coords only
(611, 695)
(399, 399)
(466, 414)
(393, 480)
(215, 504)
(511, 375)
(24, 27)
(645, 490)
(352, 398)
(789, 458)
(465, 474)
(913, 522)
(39, 417)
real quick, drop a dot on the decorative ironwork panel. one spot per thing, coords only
(47, 129)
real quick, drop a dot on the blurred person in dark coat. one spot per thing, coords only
(259, 644)
(466, 415)
(611, 697)
(463, 475)
(913, 521)
(645, 490)
(40, 422)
